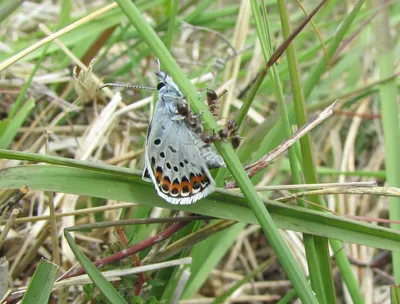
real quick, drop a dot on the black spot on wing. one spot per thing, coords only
(172, 149)
(146, 173)
(185, 190)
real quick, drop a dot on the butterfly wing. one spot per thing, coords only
(209, 154)
(173, 160)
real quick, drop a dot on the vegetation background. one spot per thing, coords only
(79, 151)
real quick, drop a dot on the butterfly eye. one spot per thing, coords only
(160, 85)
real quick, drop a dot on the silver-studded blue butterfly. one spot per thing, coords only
(177, 160)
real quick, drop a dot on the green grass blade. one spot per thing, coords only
(207, 254)
(310, 248)
(41, 284)
(388, 94)
(322, 65)
(222, 204)
(13, 125)
(95, 275)
(222, 298)
(21, 95)
(8, 7)
(173, 11)
(346, 272)
(320, 268)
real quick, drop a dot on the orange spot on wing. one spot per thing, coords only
(158, 177)
(194, 180)
(177, 187)
(166, 184)
(186, 184)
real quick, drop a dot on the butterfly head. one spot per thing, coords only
(166, 84)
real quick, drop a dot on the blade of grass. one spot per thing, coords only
(311, 252)
(173, 11)
(207, 254)
(292, 270)
(15, 123)
(222, 298)
(57, 34)
(21, 95)
(310, 173)
(322, 65)
(95, 275)
(317, 254)
(8, 7)
(223, 204)
(390, 120)
(39, 288)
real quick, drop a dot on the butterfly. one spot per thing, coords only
(177, 160)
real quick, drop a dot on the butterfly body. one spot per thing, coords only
(177, 161)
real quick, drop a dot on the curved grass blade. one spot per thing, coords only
(95, 275)
(221, 204)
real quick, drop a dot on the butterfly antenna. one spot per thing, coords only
(158, 65)
(125, 86)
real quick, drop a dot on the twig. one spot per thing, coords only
(267, 159)
(127, 156)
(73, 213)
(180, 287)
(13, 201)
(32, 252)
(381, 191)
(8, 226)
(4, 284)
(163, 235)
(192, 239)
(61, 32)
(206, 29)
(314, 186)
(279, 51)
(140, 221)
(113, 275)
(53, 221)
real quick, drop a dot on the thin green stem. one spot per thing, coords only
(390, 118)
